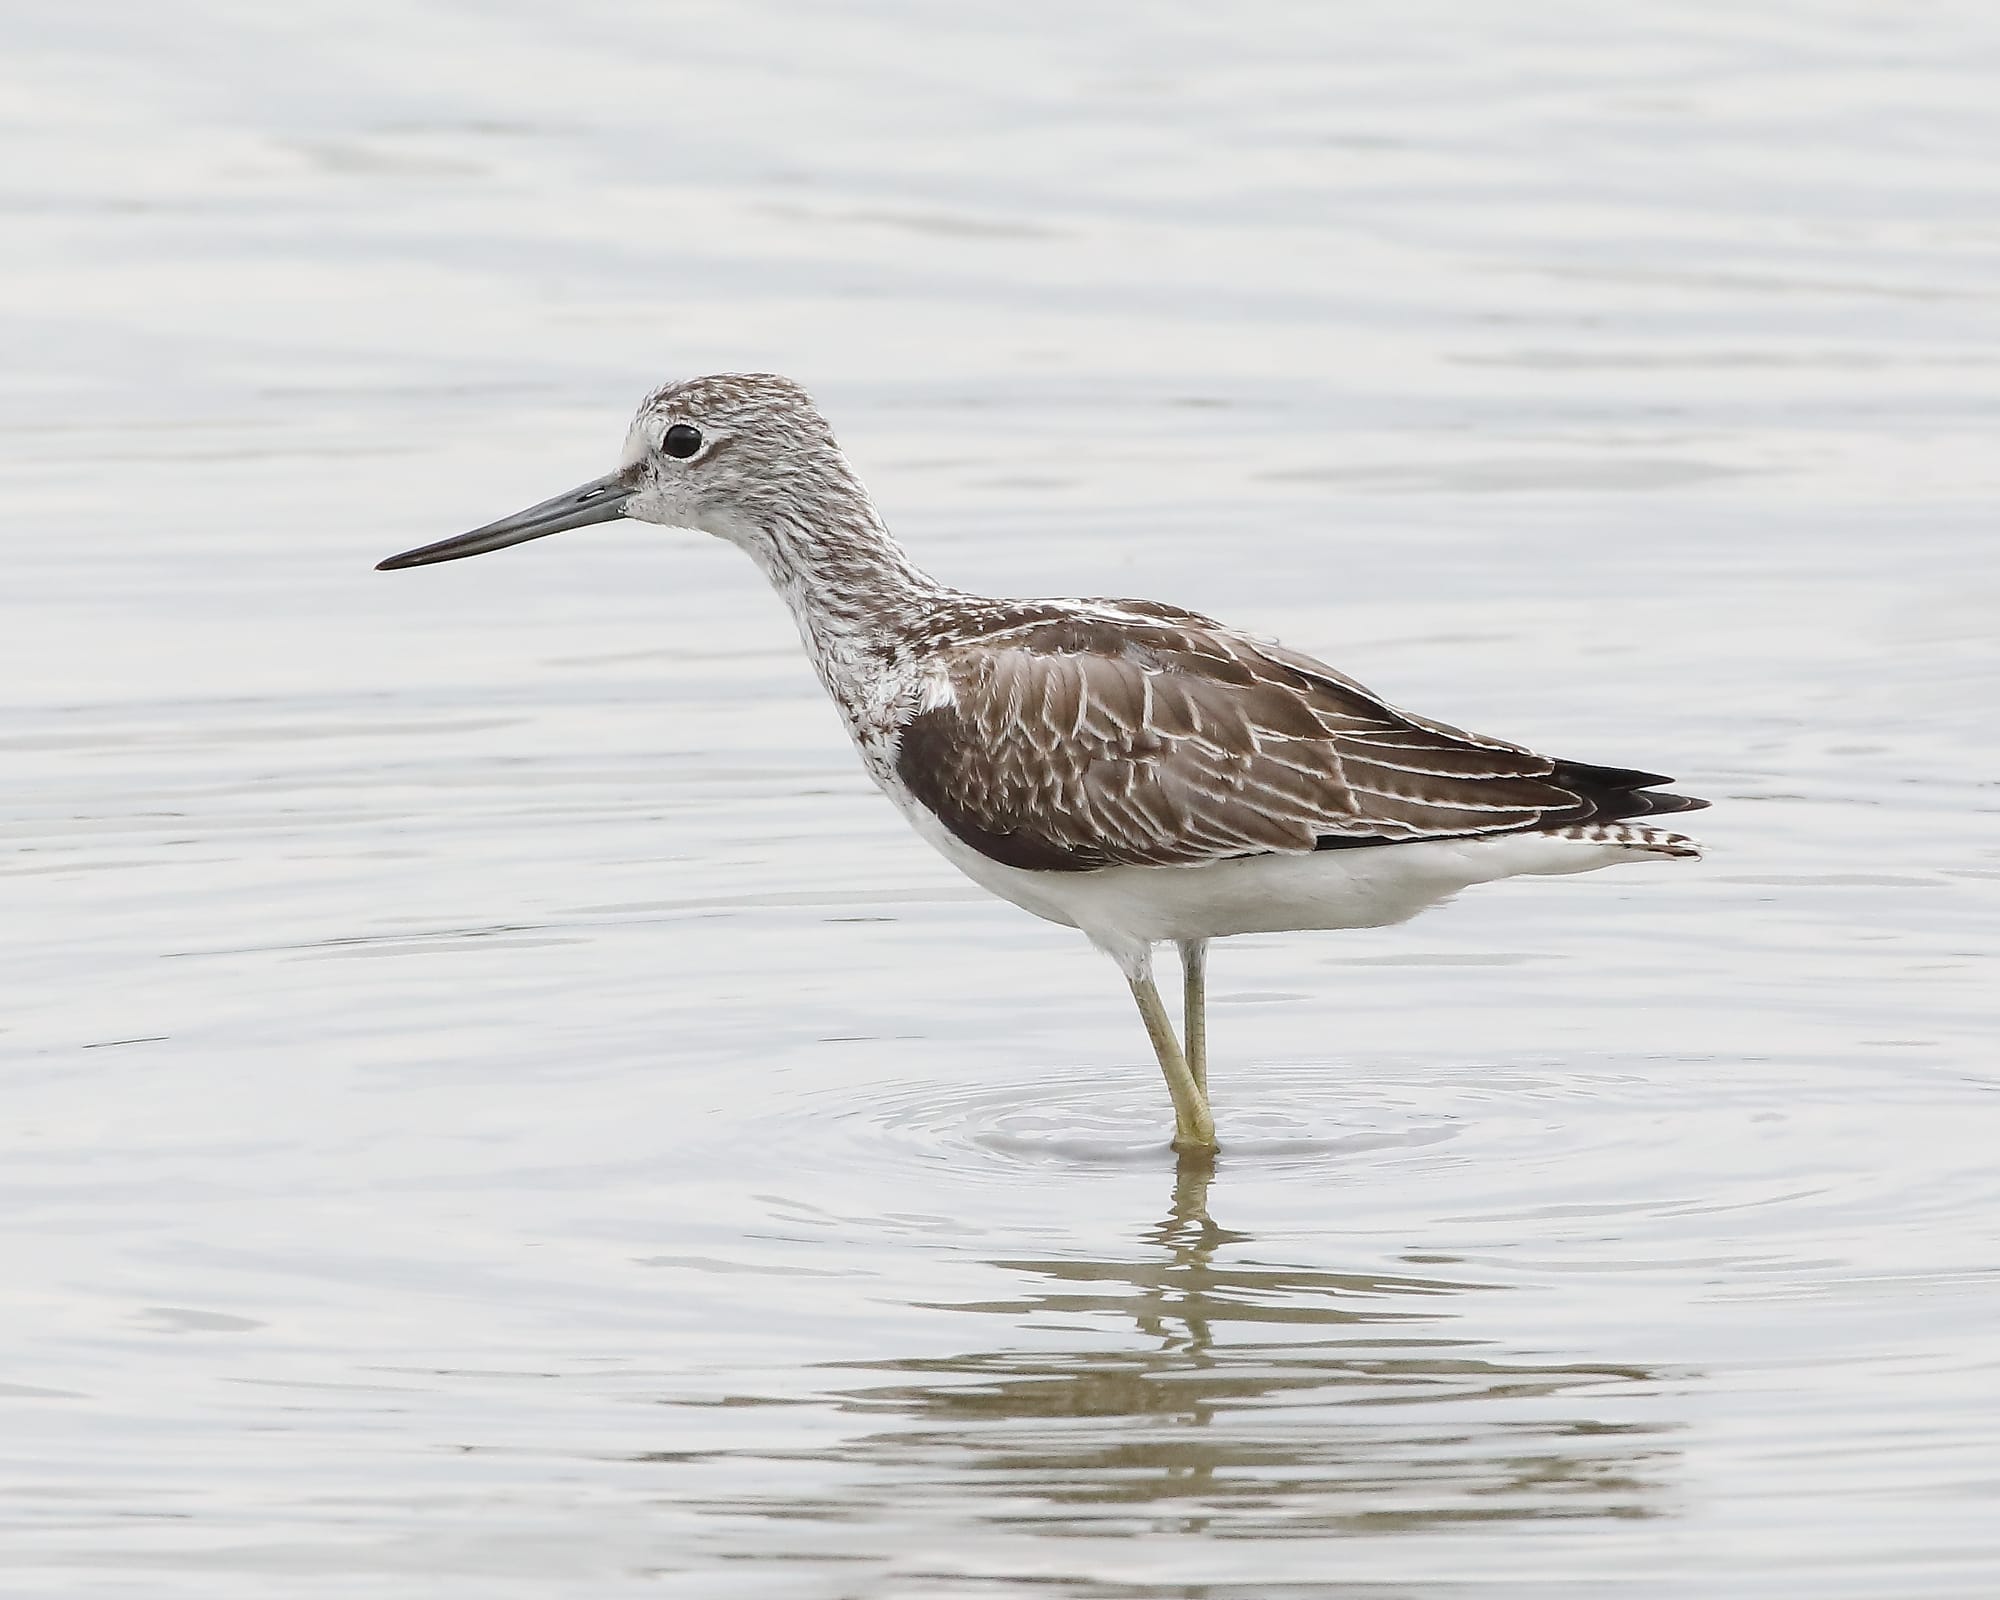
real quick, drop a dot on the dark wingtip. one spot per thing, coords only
(1616, 794)
(1659, 804)
(1587, 773)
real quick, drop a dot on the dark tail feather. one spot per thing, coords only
(1612, 794)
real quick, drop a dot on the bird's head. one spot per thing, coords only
(731, 454)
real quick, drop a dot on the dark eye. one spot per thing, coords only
(681, 440)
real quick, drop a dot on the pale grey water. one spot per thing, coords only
(495, 1106)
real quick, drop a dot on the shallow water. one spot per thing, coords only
(495, 1105)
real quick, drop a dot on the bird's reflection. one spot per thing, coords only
(1259, 1399)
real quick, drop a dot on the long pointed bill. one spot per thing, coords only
(600, 500)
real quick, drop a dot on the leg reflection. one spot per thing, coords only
(1206, 1379)
(1190, 1237)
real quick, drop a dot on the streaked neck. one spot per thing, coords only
(852, 589)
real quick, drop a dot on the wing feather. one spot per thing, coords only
(1158, 738)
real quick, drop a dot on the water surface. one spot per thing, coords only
(495, 1105)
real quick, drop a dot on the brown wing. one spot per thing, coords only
(1074, 744)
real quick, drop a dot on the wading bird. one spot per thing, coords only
(1130, 769)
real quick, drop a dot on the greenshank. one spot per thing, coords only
(1133, 770)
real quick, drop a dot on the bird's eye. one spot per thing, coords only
(681, 440)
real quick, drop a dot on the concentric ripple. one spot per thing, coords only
(1781, 1151)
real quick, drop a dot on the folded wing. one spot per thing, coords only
(1144, 737)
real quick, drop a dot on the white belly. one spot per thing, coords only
(1370, 887)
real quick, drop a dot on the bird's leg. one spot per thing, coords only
(1194, 1009)
(1194, 1128)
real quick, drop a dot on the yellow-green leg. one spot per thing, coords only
(1194, 1009)
(1194, 1128)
